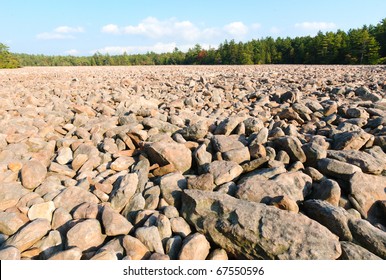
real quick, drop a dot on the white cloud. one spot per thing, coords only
(60, 33)
(68, 29)
(154, 28)
(176, 30)
(236, 29)
(315, 25)
(72, 52)
(157, 48)
(53, 36)
(110, 28)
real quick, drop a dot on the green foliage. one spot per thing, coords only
(7, 59)
(366, 45)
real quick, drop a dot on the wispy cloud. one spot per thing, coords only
(315, 25)
(60, 33)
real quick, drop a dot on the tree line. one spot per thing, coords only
(366, 45)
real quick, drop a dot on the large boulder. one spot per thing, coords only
(248, 230)
(257, 188)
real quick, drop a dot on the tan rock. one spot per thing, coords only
(60, 217)
(180, 227)
(135, 249)
(159, 257)
(9, 253)
(86, 235)
(86, 210)
(150, 237)
(105, 255)
(195, 247)
(122, 163)
(74, 196)
(10, 222)
(33, 174)
(15, 166)
(121, 196)
(42, 210)
(29, 234)
(114, 223)
(164, 153)
(285, 203)
(70, 254)
(218, 255)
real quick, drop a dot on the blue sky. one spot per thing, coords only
(82, 27)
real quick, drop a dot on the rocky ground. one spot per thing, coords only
(238, 162)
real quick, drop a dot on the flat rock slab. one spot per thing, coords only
(250, 230)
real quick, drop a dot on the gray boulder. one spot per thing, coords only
(248, 230)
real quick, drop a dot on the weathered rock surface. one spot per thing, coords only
(114, 223)
(72, 197)
(9, 253)
(28, 235)
(174, 153)
(33, 174)
(224, 171)
(352, 251)
(255, 231)
(369, 237)
(365, 190)
(332, 217)
(10, 193)
(86, 235)
(92, 156)
(365, 161)
(292, 146)
(257, 188)
(195, 247)
(135, 249)
(10, 222)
